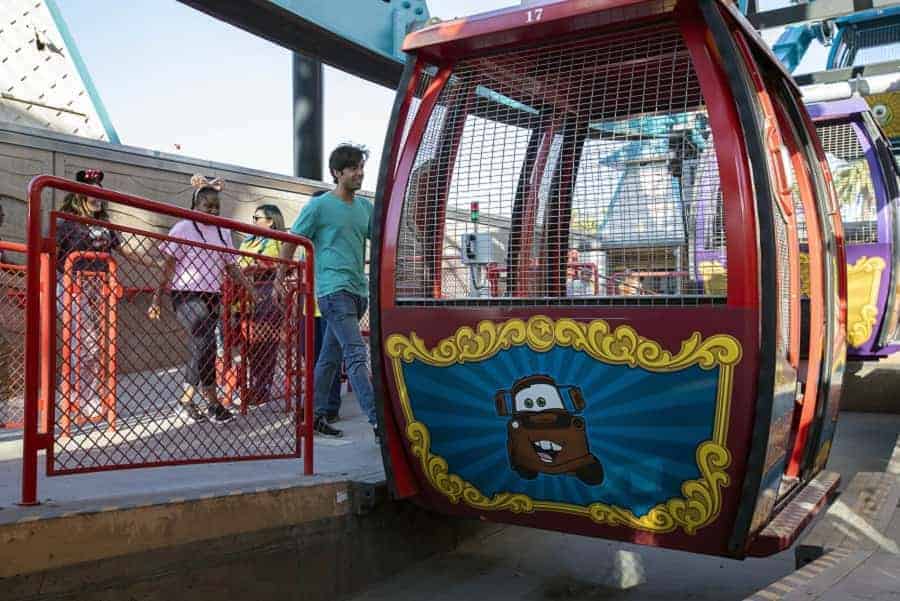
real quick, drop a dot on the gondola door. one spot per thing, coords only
(787, 392)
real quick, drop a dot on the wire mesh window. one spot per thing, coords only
(876, 44)
(796, 199)
(574, 169)
(426, 76)
(784, 281)
(852, 181)
(800, 220)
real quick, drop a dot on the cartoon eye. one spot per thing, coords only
(542, 402)
(529, 403)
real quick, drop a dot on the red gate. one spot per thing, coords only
(112, 375)
(12, 333)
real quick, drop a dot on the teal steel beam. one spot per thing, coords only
(361, 37)
(792, 45)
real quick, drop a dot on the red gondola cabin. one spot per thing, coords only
(586, 310)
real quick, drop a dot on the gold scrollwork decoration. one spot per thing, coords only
(701, 499)
(863, 285)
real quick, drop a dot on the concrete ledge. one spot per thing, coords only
(299, 543)
(871, 386)
(32, 545)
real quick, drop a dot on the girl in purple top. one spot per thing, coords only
(194, 275)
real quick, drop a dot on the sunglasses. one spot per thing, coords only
(258, 217)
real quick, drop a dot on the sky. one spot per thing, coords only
(170, 75)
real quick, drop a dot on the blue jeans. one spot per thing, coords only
(342, 310)
(334, 395)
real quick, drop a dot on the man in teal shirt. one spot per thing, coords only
(338, 224)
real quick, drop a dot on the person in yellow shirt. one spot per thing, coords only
(267, 316)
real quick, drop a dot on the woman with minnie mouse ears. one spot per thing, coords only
(81, 228)
(194, 276)
(90, 176)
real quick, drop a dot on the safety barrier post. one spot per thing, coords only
(77, 284)
(48, 339)
(291, 366)
(245, 333)
(226, 373)
(34, 244)
(309, 352)
(114, 292)
(67, 384)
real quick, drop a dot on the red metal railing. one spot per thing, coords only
(246, 330)
(131, 422)
(633, 283)
(83, 293)
(494, 273)
(12, 333)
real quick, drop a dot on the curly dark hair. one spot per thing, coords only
(346, 155)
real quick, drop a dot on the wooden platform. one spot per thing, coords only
(859, 519)
(840, 575)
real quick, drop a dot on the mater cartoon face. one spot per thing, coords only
(543, 435)
(540, 397)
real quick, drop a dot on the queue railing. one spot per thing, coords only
(112, 377)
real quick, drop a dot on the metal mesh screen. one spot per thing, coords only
(799, 211)
(852, 181)
(121, 374)
(800, 220)
(784, 282)
(425, 78)
(543, 169)
(877, 44)
(12, 338)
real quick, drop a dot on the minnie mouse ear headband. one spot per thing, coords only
(198, 182)
(90, 176)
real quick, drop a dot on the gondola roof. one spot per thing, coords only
(486, 32)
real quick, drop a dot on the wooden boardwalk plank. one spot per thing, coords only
(853, 551)
(832, 566)
(858, 519)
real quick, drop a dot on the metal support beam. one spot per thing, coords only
(848, 73)
(810, 11)
(792, 45)
(360, 37)
(308, 119)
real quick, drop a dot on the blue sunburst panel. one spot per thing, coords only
(643, 427)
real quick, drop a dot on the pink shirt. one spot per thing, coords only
(198, 269)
